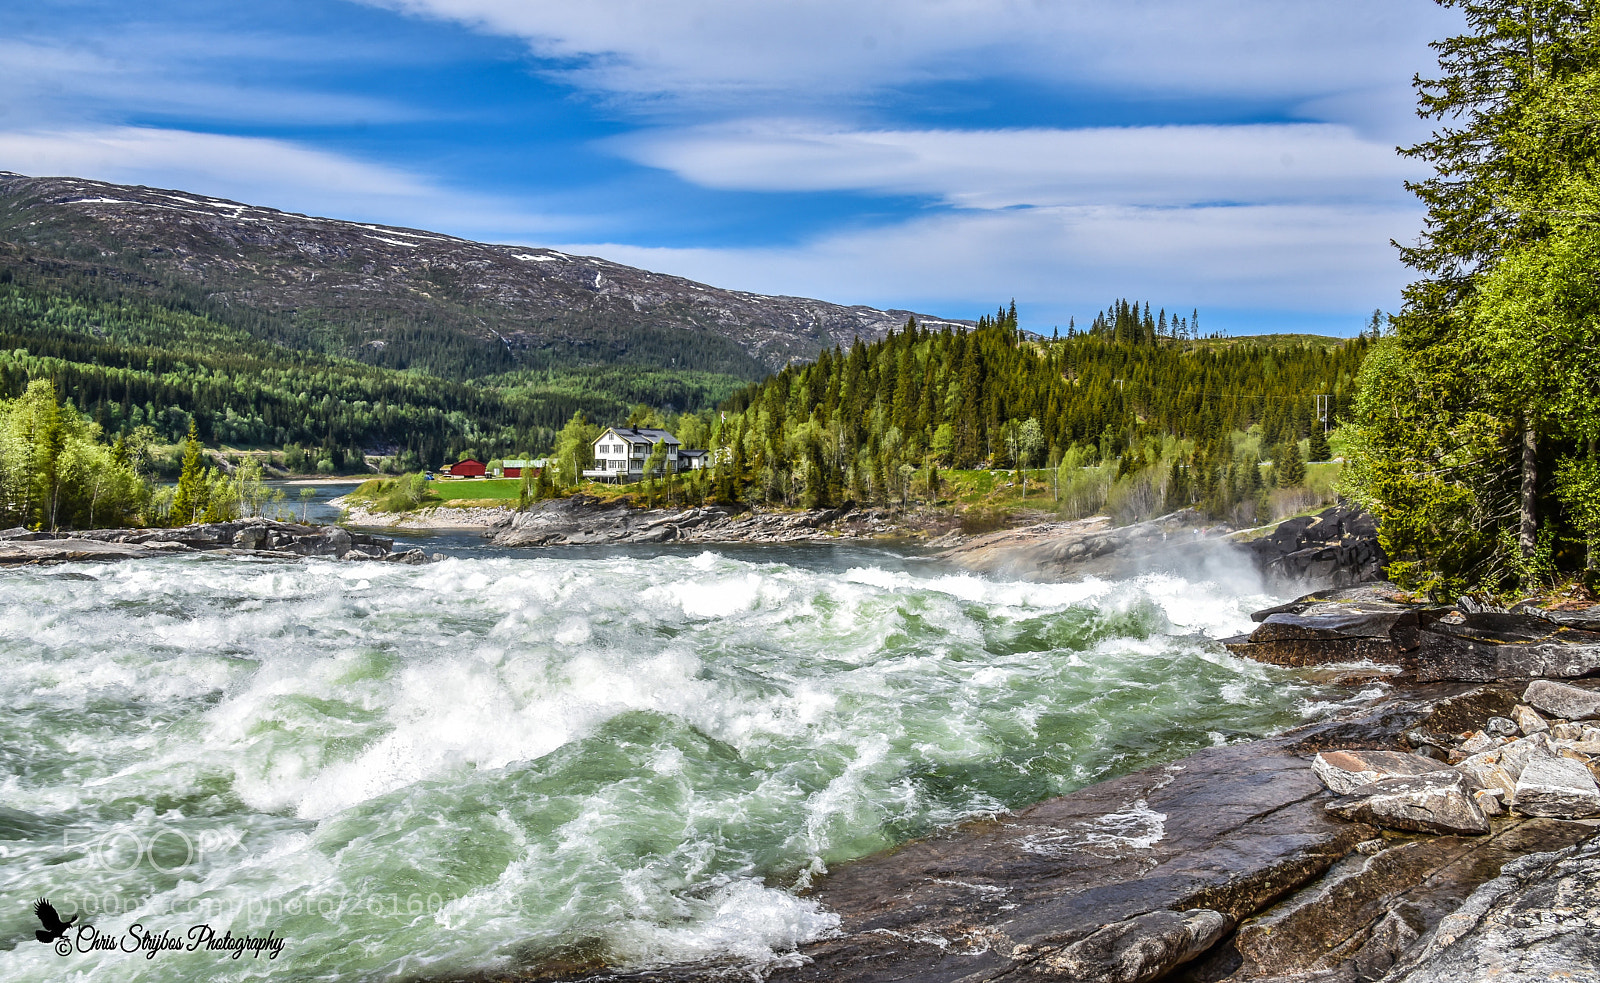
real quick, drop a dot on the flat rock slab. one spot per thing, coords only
(1346, 771)
(1372, 905)
(1490, 646)
(1150, 863)
(1338, 625)
(1562, 700)
(1437, 802)
(1558, 787)
(42, 551)
(1375, 597)
(1539, 921)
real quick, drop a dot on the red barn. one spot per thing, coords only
(467, 469)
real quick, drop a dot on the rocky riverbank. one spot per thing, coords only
(1335, 548)
(1448, 832)
(582, 519)
(262, 538)
(1375, 623)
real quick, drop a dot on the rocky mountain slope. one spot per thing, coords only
(400, 297)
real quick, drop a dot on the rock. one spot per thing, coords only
(1488, 800)
(1437, 802)
(1529, 721)
(1559, 788)
(1345, 771)
(1487, 771)
(1500, 727)
(1137, 949)
(264, 538)
(1349, 634)
(1516, 755)
(1465, 712)
(581, 519)
(1535, 923)
(1583, 619)
(1488, 646)
(1338, 547)
(1477, 743)
(1562, 700)
(1563, 731)
(1354, 922)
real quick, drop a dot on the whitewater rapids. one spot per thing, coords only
(504, 762)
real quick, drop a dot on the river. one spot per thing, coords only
(511, 759)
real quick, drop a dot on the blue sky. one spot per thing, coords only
(938, 155)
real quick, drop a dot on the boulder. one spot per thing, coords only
(1500, 727)
(1138, 949)
(1345, 771)
(1535, 923)
(1339, 547)
(1562, 700)
(1486, 646)
(1488, 771)
(1528, 721)
(1514, 757)
(1437, 802)
(1559, 788)
(1348, 634)
(1488, 799)
(1582, 619)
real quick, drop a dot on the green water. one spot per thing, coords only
(494, 762)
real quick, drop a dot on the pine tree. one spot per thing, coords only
(1319, 449)
(1289, 470)
(189, 501)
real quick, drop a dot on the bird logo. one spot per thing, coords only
(54, 927)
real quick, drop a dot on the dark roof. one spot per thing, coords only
(646, 435)
(690, 452)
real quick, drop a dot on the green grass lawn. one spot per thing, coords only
(476, 489)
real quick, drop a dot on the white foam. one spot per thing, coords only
(384, 723)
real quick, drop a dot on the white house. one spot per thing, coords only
(620, 453)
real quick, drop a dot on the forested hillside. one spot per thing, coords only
(409, 299)
(134, 354)
(879, 421)
(1478, 421)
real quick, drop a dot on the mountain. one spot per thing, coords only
(405, 298)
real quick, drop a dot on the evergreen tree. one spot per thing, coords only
(189, 501)
(1319, 449)
(1289, 471)
(1479, 388)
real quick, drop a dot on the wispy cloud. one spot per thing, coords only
(276, 173)
(745, 55)
(1061, 261)
(1164, 165)
(47, 82)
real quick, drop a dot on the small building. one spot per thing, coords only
(513, 468)
(467, 469)
(620, 453)
(692, 460)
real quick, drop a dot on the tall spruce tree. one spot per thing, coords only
(1461, 414)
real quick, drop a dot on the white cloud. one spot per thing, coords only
(747, 54)
(1322, 259)
(47, 82)
(1163, 165)
(260, 171)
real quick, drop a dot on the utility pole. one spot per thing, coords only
(1324, 409)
